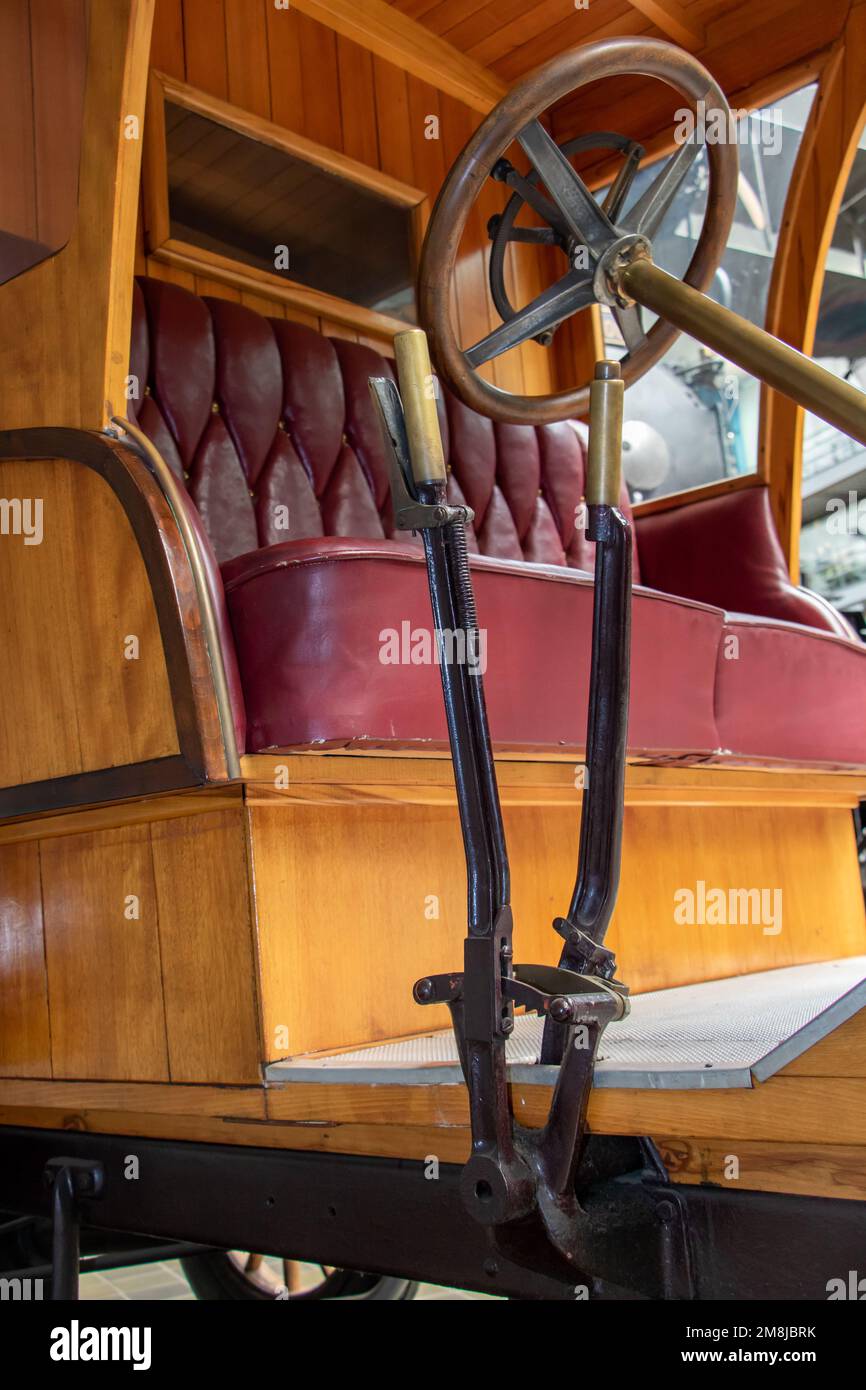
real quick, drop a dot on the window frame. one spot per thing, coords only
(168, 250)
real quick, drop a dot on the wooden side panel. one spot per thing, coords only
(25, 1039)
(841, 1053)
(811, 1170)
(392, 877)
(17, 138)
(42, 51)
(790, 1110)
(806, 856)
(145, 968)
(76, 599)
(206, 942)
(104, 981)
(299, 73)
(345, 914)
(57, 34)
(64, 325)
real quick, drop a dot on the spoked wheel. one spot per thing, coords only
(601, 242)
(236, 1274)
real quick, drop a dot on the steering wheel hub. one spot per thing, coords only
(610, 265)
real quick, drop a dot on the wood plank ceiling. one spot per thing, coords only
(741, 43)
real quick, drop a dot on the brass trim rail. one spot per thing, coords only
(172, 492)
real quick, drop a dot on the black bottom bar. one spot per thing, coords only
(385, 1216)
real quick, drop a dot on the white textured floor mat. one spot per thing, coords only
(720, 1033)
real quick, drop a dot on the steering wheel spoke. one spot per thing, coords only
(621, 186)
(629, 321)
(582, 215)
(534, 236)
(532, 194)
(648, 212)
(540, 315)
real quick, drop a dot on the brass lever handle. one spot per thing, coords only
(418, 391)
(604, 458)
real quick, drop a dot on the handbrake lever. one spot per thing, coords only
(513, 1172)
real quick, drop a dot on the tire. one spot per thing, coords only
(220, 1275)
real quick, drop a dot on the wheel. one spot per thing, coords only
(601, 243)
(229, 1274)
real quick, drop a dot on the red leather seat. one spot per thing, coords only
(272, 427)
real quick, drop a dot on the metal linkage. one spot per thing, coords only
(481, 1013)
(521, 1183)
(584, 927)
(70, 1180)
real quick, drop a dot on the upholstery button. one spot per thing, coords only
(281, 426)
(185, 476)
(147, 390)
(252, 494)
(215, 409)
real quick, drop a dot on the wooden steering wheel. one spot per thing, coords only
(599, 240)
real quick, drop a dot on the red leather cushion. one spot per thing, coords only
(785, 691)
(725, 550)
(272, 427)
(310, 620)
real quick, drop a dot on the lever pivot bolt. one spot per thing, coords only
(561, 1009)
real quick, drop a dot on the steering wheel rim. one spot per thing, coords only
(520, 107)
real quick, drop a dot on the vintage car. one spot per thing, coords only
(408, 412)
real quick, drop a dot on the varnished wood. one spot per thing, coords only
(808, 1170)
(139, 811)
(72, 603)
(450, 1146)
(230, 276)
(824, 162)
(841, 1053)
(750, 50)
(392, 36)
(154, 170)
(675, 21)
(43, 44)
(206, 948)
(148, 965)
(103, 965)
(306, 61)
(268, 132)
(72, 372)
(792, 1110)
(116, 562)
(295, 923)
(315, 865)
(151, 1098)
(25, 1040)
(543, 779)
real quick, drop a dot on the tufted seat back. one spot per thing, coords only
(272, 428)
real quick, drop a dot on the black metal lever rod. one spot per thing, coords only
(600, 850)
(499, 1185)
(513, 1171)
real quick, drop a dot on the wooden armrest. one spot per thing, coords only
(107, 688)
